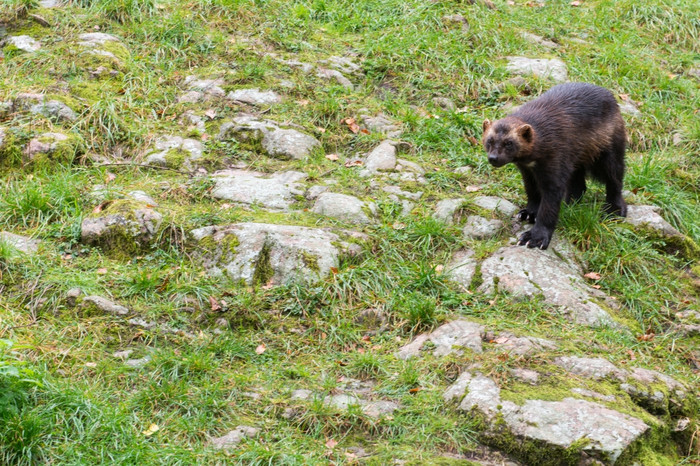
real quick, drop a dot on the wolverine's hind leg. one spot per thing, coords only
(576, 186)
(610, 169)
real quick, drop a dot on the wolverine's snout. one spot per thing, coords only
(495, 161)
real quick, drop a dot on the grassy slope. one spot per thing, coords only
(91, 409)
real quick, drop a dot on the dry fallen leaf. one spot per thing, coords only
(332, 157)
(398, 226)
(472, 189)
(152, 429)
(109, 177)
(334, 270)
(593, 275)
(101, 271)
(331, 443)
(354, 163)
(261, 348)
(576, 3)
(414, 390)
(211, 113)
(352, 125)
(215, 306)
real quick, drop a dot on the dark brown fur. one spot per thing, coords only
(570, 131)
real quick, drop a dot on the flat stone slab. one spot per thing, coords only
(480, 228)
(21, 243)
(289, 144)
(24, 43)
(525, 272)
(103, 305)
(496, 204)
(176, 152)
(522, 345)
(275, 191)
(260, 253)
(445, 209)
(54, 110)
(554, 68)
(447, 339)
(553, 425)
(593, 368)
(121, 227)
(343, 207)
(254, 96)
(233, 438)
(96, 39)
(381, 124)
(200, 90)
(47, 143)
(648, 216)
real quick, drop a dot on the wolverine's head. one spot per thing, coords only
(507, 140)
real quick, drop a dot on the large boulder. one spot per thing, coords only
(261, 253)
(275, 191)
(122, 228)
(343, 207)
(553, 69)
(176, 152)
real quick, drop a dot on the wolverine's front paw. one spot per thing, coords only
(526, 215)
(535, 238)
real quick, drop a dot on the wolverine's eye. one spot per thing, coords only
(508, 144)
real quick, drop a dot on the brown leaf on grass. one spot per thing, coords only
(101, 271)
(593, 276)
(330, 443)
(334, 270)
(472, 189)
(152, 429)
(473, 140)
(109, 177)
(354, 163)
(332, 157)
(414, 390)
(215, 306)
(100, 207)
(261, 348)
(351, 124)
(646, 337)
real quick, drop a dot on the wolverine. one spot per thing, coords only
(571, 131)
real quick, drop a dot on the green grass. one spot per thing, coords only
(66, 399)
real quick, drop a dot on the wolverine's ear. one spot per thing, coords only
(526, 133)
(487, 125)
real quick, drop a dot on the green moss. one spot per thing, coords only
(221, 252)
(263, 268)
(63, 153)
(175, 157)
(10, 151)
(310, 261)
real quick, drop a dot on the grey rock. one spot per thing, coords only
(381, 123)
(254, 96)
(648, 376)
(445, 209)
(556, 425)
(629, 108)
(289, 144)
(246, 128)
(141, 196)
(103, 305)
(194, 122)
(456, 391)
(526, 272)
(314, 191)
(123, 354)
(456, 19)
(122, 228)
(462, 267)
(176, 152)
(233, 438)
(301, 394)
(344, 64)
(648, 216)
(335, 75)
(275, 191)
(139, 362)
(694, 72)
(592, 394)
(47, 143)
(21, 243)
(444, 103)
(371, 318)
(71, 297)
(525, 375)
(342, 401)
(96, 39)
(539, 40)
(554, 68)
(447, 339)
(382, 157)
(379, 408)
(343, 207)
(304, 67)
(481, 228)
(54, 110)
(593, 368)
(401, 193)
(522, 345)
(25, 43)
(496, 204)
(202, 89)
(404, 165)
(50, 3)
(259, 253)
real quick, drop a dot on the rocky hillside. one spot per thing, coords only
(265, 232)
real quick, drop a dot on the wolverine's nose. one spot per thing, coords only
(493, 160)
